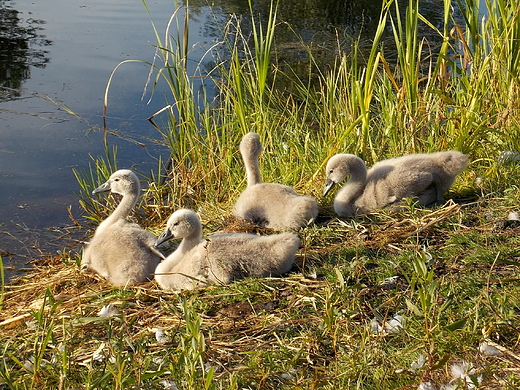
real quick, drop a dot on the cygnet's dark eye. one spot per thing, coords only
(331, 171)
(116, 179)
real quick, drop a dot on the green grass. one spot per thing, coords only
(457, 268)
(311, 329)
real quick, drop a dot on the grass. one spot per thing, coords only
(457, 286)
(393, 299)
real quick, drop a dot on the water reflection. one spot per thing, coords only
(22, 46)
(320, 27)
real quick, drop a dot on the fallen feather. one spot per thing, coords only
(419, 363)
(108, 311)
(465, 373)
(168, 385)
(508, 156)
(489, 350)
(395, 325)
(161, 337)
(375, 327)
(427, 386)
(389, 283)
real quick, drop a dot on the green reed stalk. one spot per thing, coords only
(173, 51)
(239, 95)
(471, 13)
(364, 85)
(192, 351)
(263, 44)
(485, 78)
(44, 335)
(504, 26)
(246, 83)
(409, 51)
(91, 179)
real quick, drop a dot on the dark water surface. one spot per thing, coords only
(60, 53)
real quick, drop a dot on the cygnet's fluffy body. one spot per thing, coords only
(120, 251)
(425, 177)
(220, 258)
(271, 205)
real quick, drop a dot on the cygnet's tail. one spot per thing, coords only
(285, 248)
(290, 242)
(454, 162)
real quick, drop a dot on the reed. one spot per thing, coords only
(91, 179)
(365, 104)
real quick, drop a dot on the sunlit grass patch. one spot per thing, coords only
(330, 322)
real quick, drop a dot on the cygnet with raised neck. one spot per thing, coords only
(120, 251)
(270, 205)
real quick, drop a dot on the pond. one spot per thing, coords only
(55, 59)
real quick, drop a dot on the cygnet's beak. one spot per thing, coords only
(102, 188)
(165, 236)
(328, 186)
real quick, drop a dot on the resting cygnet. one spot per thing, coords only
(425, 177)
(120, 251)
(271, 205)
(220, 258)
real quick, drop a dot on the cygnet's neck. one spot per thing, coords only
(356, 184)
(252, 168)
(191, 241)
(176, 257)
(124, 208)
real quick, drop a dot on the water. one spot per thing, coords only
(57, 55)
(71, 48)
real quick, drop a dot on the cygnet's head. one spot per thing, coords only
(182, 223)
(122, 182)
(339, 167)
(251, 145)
